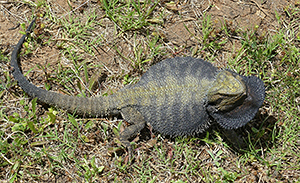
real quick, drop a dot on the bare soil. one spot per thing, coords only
(237, 14)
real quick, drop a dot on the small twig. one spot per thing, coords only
(6, 159)
(74, 9)
(15, 27)
(15, 16)
(23, 166)
(259, 7)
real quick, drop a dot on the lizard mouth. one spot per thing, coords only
(219, 105)
(247, 107)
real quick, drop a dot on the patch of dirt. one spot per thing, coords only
(178, 34)
(246, 13)
(239, 14)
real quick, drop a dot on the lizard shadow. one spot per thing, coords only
(257, 134)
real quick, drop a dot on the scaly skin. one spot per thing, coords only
(227, 89)
(178, 96)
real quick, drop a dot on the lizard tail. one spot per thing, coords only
(97, 106)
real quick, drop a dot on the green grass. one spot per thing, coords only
(130, 15)
(110, 44)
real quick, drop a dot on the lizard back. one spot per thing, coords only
(171, 95)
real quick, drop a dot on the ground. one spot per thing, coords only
(94, 48)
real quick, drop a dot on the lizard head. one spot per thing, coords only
(227, 89)
(233, 100)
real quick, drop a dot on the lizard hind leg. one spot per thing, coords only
(137, 122)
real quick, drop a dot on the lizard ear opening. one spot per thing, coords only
(245, 110)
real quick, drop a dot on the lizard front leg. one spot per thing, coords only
(138, 122)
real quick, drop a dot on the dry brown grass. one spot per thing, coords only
(82, 48)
